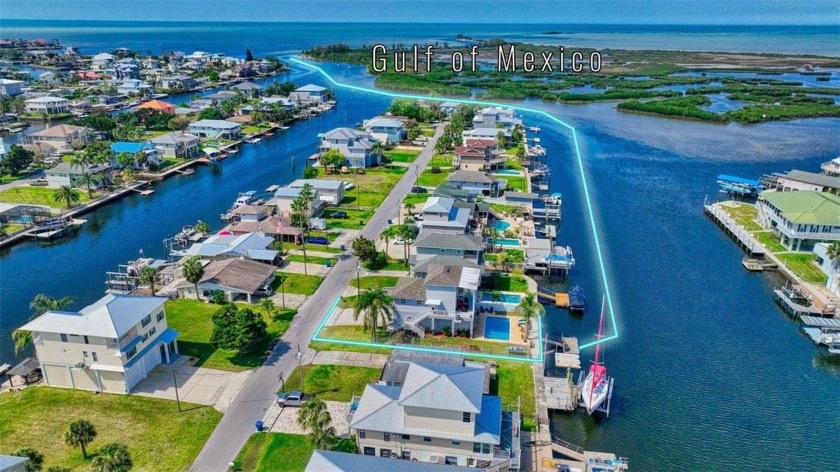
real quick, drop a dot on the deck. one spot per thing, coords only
(741, 235)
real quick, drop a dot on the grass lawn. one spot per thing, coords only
(514, 256)
(310, 259)
(298, 283)
(393, 264)
(375, 281)
(506, 284)
(158, 437)
(371, 187)
(358, 333)
(315, 248)
(402, 155)
(769, 240)
(744, 214)
(515, 183)
(513, 164)
(270, 452)
(12, 228)
(802, 264)
(37, 196)
(514, 380)
(356, 219)
(192, 319)
(440, 160)
(336, 383)
(427, 132)
(428, 179)
(350, 333)
(251, 129)
(416, 199)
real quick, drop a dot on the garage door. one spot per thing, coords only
(57, 376)
(84, 379)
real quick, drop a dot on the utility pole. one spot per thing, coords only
(300, 369)
(358, 280)
(282, 382)
(177, 398)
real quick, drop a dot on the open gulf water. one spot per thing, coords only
(710, 373)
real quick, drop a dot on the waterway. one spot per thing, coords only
(710, 374)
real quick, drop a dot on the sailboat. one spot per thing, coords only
(596, 385)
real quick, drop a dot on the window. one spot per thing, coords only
(370, 451)
(406, 455)
(485, 448)
(145, 337)
(146, 320)
(477, 448)
(406, 437)
(86, 340)
(84, 354)
(361, 434)
(63, 338)
(386, 436)
(427, 439)
(131, 353)
(451, 460)
(384, 452)
(152, 331)
(95, 358)
(160, 316)
(456, 443)
(467, 418)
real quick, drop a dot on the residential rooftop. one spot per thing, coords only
(806, 207)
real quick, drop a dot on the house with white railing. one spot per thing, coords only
(443, 300)
(800, 218)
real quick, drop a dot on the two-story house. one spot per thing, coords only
(492, 117)
(47, 105)
(216, 129)
(800, 218)
(177, 144)
(431, 244)
(285, 196)
(109, 346)
(479, 158)
(442, 215)
(357, 147)
(310, 94)
(439, 414)
(329, 191)
(386, 130)
(444, 298)
(11, 87)
(61, 136)
(477, 183)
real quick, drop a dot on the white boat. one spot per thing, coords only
(596, 385)
(245, 198)
(534, 129)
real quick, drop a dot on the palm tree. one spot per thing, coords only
(530, 307)
(300, 208)
(193, 271)
(385, 236)
(86, 179)
(202, 227)
(113, 457)
(148, 276)
(833, 252)
(492, 234)
(66, 194)
(268, 306)
(80, 433)
(496, 296)
(35, 460)
(313, 415)
(406, 232)
(41, 304)
(375, 305)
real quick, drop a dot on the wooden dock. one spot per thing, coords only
(744, 238)
(560, 299)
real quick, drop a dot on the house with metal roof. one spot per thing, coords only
(10, 87)
(333, 461)
(329, 191)
(216, 129)
(226, 245)
(387, 130)
(448, 108)
(47, 105)
(177, 144)
(801, 218)
(68, 174)
(285, 196)
(234, 277)
(442, 215)
(310, 94)
(248, 88)
(491, 117)
(13, 463)
(357, 147)
(438, 414)
(477, 183)
(431, 244)
(108, 346)
(801, 180)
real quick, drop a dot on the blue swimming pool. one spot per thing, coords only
(507, 242)
(501, 225)
(506, 298)
(508, 172)
(497, 328)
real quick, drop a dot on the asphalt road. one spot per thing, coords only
(256, 396)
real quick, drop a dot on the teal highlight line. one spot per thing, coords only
(587, 198)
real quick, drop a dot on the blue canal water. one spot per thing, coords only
(710, 374)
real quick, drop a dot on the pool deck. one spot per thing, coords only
(517, 334)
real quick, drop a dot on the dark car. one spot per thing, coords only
(318, 240)
(339, 214)
(417, 189)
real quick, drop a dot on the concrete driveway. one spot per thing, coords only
(216, 388)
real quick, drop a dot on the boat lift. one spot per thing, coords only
(604, 408)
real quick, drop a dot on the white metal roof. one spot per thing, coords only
(110, 317)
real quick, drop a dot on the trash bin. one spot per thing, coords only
(259, 425)
(329, 263)
(390, 223)
(343, 248)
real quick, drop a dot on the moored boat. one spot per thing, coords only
(577, 299)
(596, 385)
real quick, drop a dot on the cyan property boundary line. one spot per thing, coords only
(587, 199)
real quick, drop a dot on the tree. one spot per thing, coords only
(17, 159)
(56, 468)
(112, 457)
(86, 179)
(124, 159)
(314, 416)
(248, 55)
(364, 249)
(310, 173)
(241, 329)
(301, 208)
(833, 252)
(148, 276)
(406, 232)
(178, 123)
(374, 305)
(210, 114)
(333, 158)
(530, 307)
(193, 271)
(35, 460)
(386, 236)
(268, 305)
(492, 234)
(201, 227)
(66, 194)
(80, 433)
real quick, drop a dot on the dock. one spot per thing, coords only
(743, 237)
(560, 299)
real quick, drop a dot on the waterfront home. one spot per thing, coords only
(800, 180)
(357, 147)
(479, 158)
(249, 213)
(146, 147)
(330, 192)
(800, 218)
(61, 136)
(103, 61)
(182, 82)
(234, 277)
(216, 129)
(492, 117)
(441, 215)
(48, 78)
(310, 94)
(150, 63)
(333, 461)
(10, 87)
(200, 104)
(159, 106)
(284, 102)
(477, 183)
(47, 105)
(109, 346)
(109, 99)
(431, 244)
(445, 297)
(543, 256)
(448, 108)
(68, 174)
(177, 144)
(221, 96)
(830, 268)
(126, 71)
(249, 88)
(525, 199)
(444, 190)
(226, 245)
(831, 168)
(279, 228)
(484, 133)
(440, 415)
(284, 196)
(386, 130)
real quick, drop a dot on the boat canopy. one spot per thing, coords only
(737, 180)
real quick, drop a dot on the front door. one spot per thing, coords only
(163, 358)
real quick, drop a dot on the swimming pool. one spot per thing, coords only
(508, 172)
(506, 298)
(507, 242)
(501, 225)
(497, 328)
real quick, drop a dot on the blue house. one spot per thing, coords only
(385, 129)
(152, 154)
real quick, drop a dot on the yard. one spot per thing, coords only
(416, 199)
(270, 452)
(769, 240)
(516, 380)
(298, 283)
(402, 155)
(803, 265)
(375, 281)
(192, 319)
(506, 283)
(515, 183)
(440, 160)
(428, 179)
(158, 437)
(356, 219)
(744, 214)
(333, 382)
(371, 187)
(310, 259)
(38, 196)
(514, 256)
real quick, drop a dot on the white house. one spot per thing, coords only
(67, 174)
(134, 86)
(309, 94)
(385, 129)
(830, 267)
(477, 183)
(333, 461)
(177, 144)
(444, 298)
(801, 180)
(442, 215)
(47, 105)
(102, 61)
(284, 196)
(357, 147)
(330, 192)
(60, 136)
(10, 87)
(801, 218)
(109, 346)
(216, 129)
(448, 108)
(492, 116)
(225, 245)
(432, 244)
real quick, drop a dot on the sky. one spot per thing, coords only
(701, 12)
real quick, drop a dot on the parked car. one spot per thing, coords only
(318, 240)
(39, 183)
(402, 241)
(339, 214)
(265, 291)
(294, 398)
(418, 189)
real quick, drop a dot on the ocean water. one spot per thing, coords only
(710, 374)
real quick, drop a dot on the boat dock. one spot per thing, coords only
(739, 234)
(758, 264)
(605, 407)
(560, 299)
